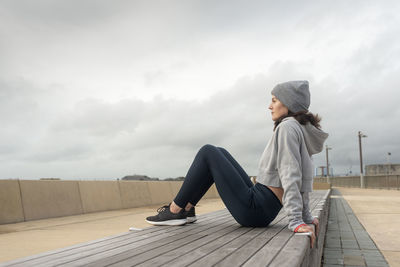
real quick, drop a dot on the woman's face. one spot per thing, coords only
(277, 108)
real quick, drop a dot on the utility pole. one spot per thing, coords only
(388, 162)
(327, 163)
(361, 135)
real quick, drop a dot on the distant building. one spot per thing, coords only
(321, 171)
(180, 178)
(137, 177)
(382, 169)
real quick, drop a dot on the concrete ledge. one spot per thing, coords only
(100, 196)
(46, 199)
(10, 202)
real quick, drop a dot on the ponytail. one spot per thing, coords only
(302, 117)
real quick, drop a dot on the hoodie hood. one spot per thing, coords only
(313, 137)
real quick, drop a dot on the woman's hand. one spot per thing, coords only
(308, 229)
(316, 223)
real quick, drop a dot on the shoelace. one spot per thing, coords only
(161, 209)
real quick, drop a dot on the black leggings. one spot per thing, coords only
(250, 205)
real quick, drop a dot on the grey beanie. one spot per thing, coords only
(295, 95)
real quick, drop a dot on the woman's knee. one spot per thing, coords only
(223, 150)
(211, 152)
(207, 149)
(211, 148)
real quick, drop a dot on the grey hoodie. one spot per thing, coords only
(287, 163)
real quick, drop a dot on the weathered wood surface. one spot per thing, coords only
(214, 240)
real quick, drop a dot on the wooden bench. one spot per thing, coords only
(214, 240)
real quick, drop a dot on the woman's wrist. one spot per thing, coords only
(299, 226)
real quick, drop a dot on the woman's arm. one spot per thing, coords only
(290, 173)
(307, 217)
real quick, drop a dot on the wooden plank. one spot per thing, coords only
(293, 253)
(161, 245)
(229, 248)
(215, 239)
(166, 248)
(200, 252)
(112, 253)
(168, 259)
(25, 260)
(164, 254)
(297, 251)
(164, 259)
(266, 254)
(208, 248)
(203, 251)
(111, 241)
(241, 255)
(315, 256)
(245, 252)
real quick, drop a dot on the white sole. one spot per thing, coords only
(191, 219)
(169, 222)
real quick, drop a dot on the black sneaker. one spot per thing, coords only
(191, 215)
(166, 217)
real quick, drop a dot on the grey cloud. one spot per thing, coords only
(154, 77)
(99, 118)
(93, 129)
(348, 52)
(160, 137)
(237, 119)
(365, 99)
(25, 110)
(51, 14)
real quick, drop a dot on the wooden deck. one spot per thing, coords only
(214, 240)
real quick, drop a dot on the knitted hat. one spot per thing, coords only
(295, 95)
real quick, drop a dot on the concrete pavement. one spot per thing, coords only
(347, 243)
(378, 210)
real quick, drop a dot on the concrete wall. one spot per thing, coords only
(382, 169)
(321, 186)
(24, 200)
(10, 202)
(134, 194)
(212, 192)
(45, 199)
(160, 192)
(371, 181)
(100, 196)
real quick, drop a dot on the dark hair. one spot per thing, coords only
(302, 117)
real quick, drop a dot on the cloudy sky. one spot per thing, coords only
(103, 89)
